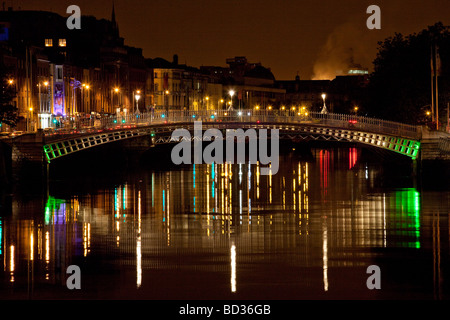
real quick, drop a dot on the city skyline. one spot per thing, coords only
(311, 39)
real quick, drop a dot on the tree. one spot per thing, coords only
(400, 86)
(8, 112)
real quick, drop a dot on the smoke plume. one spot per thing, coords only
(345, 47)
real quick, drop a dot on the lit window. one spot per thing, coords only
(49, 42)
(62, 42)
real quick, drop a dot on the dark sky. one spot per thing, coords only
(312, 37)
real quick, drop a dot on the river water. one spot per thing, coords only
(224, 231)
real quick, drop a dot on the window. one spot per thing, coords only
(156, 75)
(49, 42)
(59, 73)
(62, 42)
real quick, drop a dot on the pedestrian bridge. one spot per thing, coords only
(79, 135)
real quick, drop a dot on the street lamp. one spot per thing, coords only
(324, 108)
(207, 103)
(114, 90)
(137, 96)
(166, 100)
(30, 119)
(231, 92)
(41, 111)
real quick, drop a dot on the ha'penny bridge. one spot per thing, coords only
(415, 142)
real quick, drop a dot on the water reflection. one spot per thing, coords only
(225, 220)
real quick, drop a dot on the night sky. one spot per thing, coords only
(312, 37)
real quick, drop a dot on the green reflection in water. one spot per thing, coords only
(53, 207)
(407, 215)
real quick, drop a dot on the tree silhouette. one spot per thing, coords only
(400, 86)
(8, 112)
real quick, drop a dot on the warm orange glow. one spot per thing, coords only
(116, 90)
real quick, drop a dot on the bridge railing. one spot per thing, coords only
(83, 126)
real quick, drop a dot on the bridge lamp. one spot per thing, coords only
(324, 109)
(137, 96)
(231, 92)
(239, 113)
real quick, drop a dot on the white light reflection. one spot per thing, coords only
(11, 262)
(233, 268)
(31, 246)
(47, 253)
(138, 246)
(138, 262)
(325, 255)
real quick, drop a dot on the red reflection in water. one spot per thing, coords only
(324, 159)
(352, 157)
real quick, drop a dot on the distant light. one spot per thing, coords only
(231, 92)
(116, 90)
(239, 113)
(248, 113)
(163, 116)
(193, 116)
(212, 117)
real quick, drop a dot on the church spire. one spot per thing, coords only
(113, 16)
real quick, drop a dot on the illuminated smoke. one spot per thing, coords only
(345, 47)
